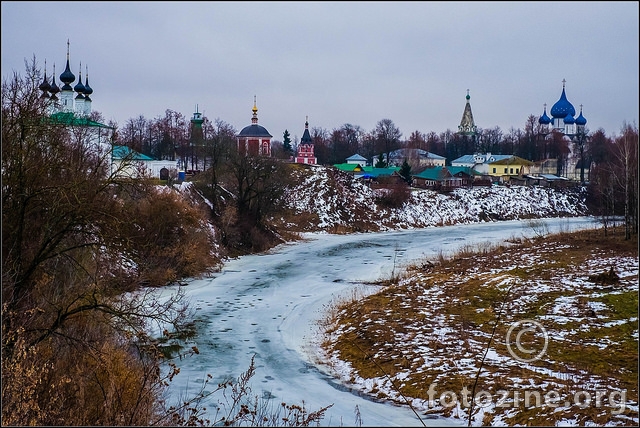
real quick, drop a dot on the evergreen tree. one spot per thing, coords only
(380, 162)
(286, 142)
(405, 171)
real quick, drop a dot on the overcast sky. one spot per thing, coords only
(339, 62)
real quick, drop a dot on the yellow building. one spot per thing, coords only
(513, 166)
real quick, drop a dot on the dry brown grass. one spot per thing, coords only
(465, 293)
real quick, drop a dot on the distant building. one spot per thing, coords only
(62, 100)
(72, 111)
(357, 160)
(305, 147)
(417, 158)
(196, 142)
(512, 167)
(573, 130)
(478, 162)
(254, 140)
(126, 162)
(467, 127)
(444, 178)
(562, 117)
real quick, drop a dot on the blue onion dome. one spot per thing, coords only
(569, 120)
(562, 107)
(580, 120)
(544, 119)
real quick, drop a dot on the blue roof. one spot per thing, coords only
(544, 119)
(472, 158)
(356, 157)
(401, 153)
(562, 107)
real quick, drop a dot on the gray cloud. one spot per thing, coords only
(339, 62)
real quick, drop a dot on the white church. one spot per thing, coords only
(71, 106)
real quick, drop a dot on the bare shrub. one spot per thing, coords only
(393, 194)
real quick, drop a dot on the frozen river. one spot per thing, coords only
(267, 306)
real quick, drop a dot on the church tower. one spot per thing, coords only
(467, 126)
(305, 147)
(196, 140)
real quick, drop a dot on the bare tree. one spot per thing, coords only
(74, 317)
(625, 154)
(388, 137)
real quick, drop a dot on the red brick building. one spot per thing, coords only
(254, 140)
(305, 147)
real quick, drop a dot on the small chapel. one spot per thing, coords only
(305, 147)
(254, 140)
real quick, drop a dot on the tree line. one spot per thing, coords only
(607, 163)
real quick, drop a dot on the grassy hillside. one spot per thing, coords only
(443, 325)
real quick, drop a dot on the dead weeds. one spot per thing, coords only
(434, 326)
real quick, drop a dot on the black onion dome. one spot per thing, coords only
(79, 88)
(54, 89)
(67, 77)
(87, 88)
(254, 130)
(44, 86)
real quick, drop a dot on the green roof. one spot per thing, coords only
(433, 173)
(513, 160)
(348, 167)
(367, 171)
(456, 169)
(122, 152)
(440, 172)
(70, 119)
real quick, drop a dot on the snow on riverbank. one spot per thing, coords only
(339, 200)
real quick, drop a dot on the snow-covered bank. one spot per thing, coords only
(338, 200)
